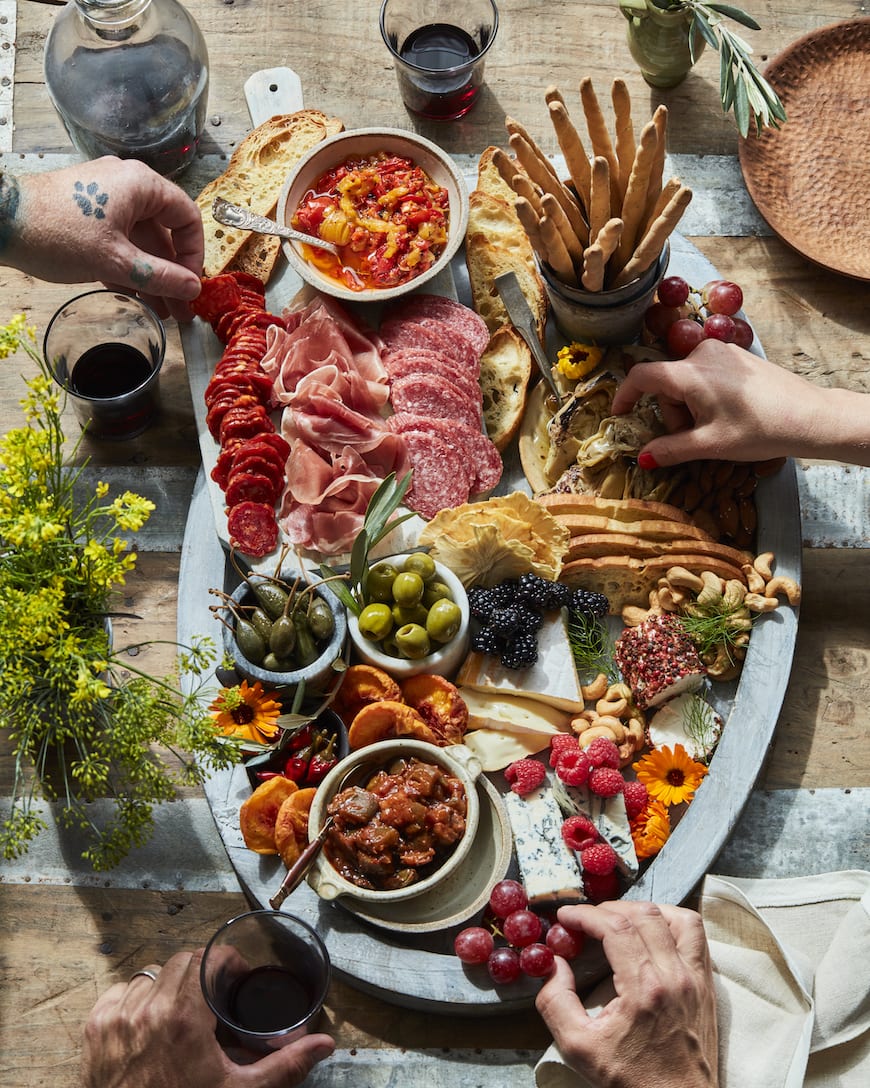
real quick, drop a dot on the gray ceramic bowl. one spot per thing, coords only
(361, 143)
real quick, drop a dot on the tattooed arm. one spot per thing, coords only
(110, 220)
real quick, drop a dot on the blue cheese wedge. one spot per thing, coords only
(549, 870)
(552, 680)
(609, 816)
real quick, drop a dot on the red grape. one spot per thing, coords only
(743, 334)
(522, 927)
(474, 945)
(659, 318)
(567, 943)
(536, 961)
(506, 897)
(673, 291)
(719, 327)
(683, 336)
(503, 966)
(723, 297)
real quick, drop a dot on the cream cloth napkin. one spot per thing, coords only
(791, 961)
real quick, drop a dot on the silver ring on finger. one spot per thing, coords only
(146, 973)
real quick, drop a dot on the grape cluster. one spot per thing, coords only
(531, 941)
(683, 316)
(509, 615)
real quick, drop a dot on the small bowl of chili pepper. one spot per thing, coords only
(306, 753)
(393, 203)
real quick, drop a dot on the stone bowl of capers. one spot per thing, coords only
(286, 631)
(414, 617)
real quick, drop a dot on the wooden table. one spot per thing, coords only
(67, 933)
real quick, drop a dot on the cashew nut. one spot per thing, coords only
(596, 689)
(583, 720)
(679, 576)
(734, 593)
(633, 615)
(763, 564)
(588, 736)
(786, 586)
(754, 580)
(755, 602)
(612, 703)
(608, 721)
(636, 732)
(666, 599)
(626, 753)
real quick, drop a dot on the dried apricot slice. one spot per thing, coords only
(259, 813)
(439, 704)
(363, 684)
(387, 720)
(291, 826)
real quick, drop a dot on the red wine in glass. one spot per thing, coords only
(268, 998)
(109, 370)
(438, 92)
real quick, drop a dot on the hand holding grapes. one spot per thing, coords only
(149, 1033)
(660, 1030)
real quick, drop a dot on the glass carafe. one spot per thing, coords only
(129, 78)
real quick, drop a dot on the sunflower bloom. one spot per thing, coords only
(247, 712)
(670, 776)
(650, 829)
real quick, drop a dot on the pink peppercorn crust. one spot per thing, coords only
(658, 660)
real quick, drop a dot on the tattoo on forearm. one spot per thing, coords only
(10, 196)
(141, 273)
(90, 199)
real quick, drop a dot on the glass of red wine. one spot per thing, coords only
(265, 975)
(438, 50)
(106, 348)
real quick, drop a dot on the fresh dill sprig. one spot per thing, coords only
(592, 646)
(699, 722)
(714, 625)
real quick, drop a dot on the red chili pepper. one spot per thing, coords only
(264, 776)
(296, 768)
(300, 740)
(321, 764)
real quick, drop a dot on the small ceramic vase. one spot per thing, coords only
(659, 41)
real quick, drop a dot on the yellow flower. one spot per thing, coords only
(247, 712)
(577, 360)
(670, 776)
(650, 829)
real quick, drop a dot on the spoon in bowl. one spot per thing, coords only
(231, 215)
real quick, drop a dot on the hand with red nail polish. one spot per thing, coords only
(725, 403)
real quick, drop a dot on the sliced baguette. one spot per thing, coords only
(597, 545)
(505, 370)
(564, 502)
(580, 525)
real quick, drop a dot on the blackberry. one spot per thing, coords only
(589, 603)
(529, 618)
(520, 652)
(486, 641)
(504, 594)
(541, 593)
(504, 621)
(480, 602)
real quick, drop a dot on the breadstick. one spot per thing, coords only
(635, 194)
(553, 94)
(571, 145)
(523, 186)
(540, 171)
(531, 225)
(608, 237)
(553, 210)
(514, 128)
(558, 257)
(505, 165)
(625, 145)
(600, 137)
(593, 268)
(655, 238)
(665, 196)
(599, 196)
(660, 120)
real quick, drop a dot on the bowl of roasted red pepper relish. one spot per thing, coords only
(393, 203)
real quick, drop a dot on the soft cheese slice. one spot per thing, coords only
(688, 720)
(548, 869)
(496, 749)
(552, 680)
(609, 816)
(513, 714)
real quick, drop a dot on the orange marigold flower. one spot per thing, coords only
(670, 776)
(246, 711)
(650, 829)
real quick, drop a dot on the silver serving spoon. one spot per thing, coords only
(231, 215)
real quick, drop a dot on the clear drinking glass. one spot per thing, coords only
(265, 976)
(438, 49)
(106, 348)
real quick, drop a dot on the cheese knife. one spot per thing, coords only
(523, 320)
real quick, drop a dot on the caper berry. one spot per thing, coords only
(422, 564)
(379, 584)
(413, 642)
(273, 663)
(272, 598)
(306, 651)
(436, 591)
(321, 620)
(407, 589)
(249, 642)
(282, 639)
(375, 622)
(443, 621)
(262, 624)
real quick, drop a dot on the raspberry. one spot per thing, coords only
(598, 859)
(561, 743)
(636, 796)
(600, 888)
(573, 767)
(603, 753)
(579, 832)
(605, 781)
(525, 775)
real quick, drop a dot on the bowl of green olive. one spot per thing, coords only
(285, 631)
(414, 617)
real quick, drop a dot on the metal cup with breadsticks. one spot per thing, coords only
(608, 222)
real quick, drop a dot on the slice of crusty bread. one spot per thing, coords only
(558, 502)
(258, 256)
(598, 545)
(255, 175)
(578, 525)
(489, 179)
(505, 370)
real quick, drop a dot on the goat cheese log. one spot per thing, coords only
(658, 660)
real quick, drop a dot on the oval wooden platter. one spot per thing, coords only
(419, 969)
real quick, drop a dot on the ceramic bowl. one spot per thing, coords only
(456, 759)
(327, 721)
(359, 144)
(320, 676)
(444, 661)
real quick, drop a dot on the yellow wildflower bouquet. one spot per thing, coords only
(82, 725)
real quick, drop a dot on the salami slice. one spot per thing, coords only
(464, 320)
(250, 487)
(407, 361)
(219, 295)
(440, 474)
(249, 280)
(253, 528)
(434, 395)
(260, 466)
(478, 453)
(437, 336)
